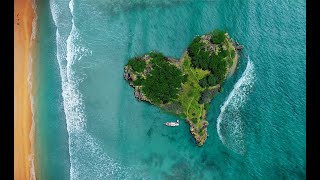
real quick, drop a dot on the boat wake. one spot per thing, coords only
(230, 126)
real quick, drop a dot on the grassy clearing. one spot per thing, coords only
(179, 86)
(191, 91)
(231, 53)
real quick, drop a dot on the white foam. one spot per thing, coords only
(34, 21)
(92, 163)
(73, 96)
(54, 11)
(32, 129)
(229, 123)
(71, 4)
(31, 98)
(87, 158)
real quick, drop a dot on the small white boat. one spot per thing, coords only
(172, 123)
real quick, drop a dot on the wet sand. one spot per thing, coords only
(234, 65)
(23, 16)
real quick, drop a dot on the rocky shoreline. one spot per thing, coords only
(198, 130)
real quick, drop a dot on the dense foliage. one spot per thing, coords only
(164, 80)
(207, 81)
(195, 46)
(184, 88)
(137, 64)
(138, 81)
(157, 57)
(207, 106)
(218, 36)
(206, 60)
(233, 54)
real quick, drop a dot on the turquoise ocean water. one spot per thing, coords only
(90, 126)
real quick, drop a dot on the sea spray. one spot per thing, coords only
(268, 38)
(87, 158)
(230, 126)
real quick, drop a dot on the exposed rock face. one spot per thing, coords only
(126, 74)
(208, 94)
(240, 47)
(201, 137)
(138, 94)
(145, 57)
(148, 68)
(206, 37)
(173, 107)
(198, 124)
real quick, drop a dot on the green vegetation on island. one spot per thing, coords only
(137, 65)
(163, 82)
(185, 87)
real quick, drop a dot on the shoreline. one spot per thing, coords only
(183, 102)
(234, 65)
(24, 14)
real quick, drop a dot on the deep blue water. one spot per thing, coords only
(90, 126)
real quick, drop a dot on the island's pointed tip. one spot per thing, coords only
(145, 74)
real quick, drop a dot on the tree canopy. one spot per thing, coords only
(218, 36)
(184, 87)
(208, 60)
(137, 64)
(163, 82)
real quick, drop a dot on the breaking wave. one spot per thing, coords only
(230, 126)
(87, 158)
(32, 56)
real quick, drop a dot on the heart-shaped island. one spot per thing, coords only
(185, 87)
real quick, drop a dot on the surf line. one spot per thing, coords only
(229, 122)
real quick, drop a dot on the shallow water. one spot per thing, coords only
(90, 126)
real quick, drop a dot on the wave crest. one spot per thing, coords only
(230, 126)
(87, 157)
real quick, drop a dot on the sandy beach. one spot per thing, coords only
(23, 16)
(234, 65)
